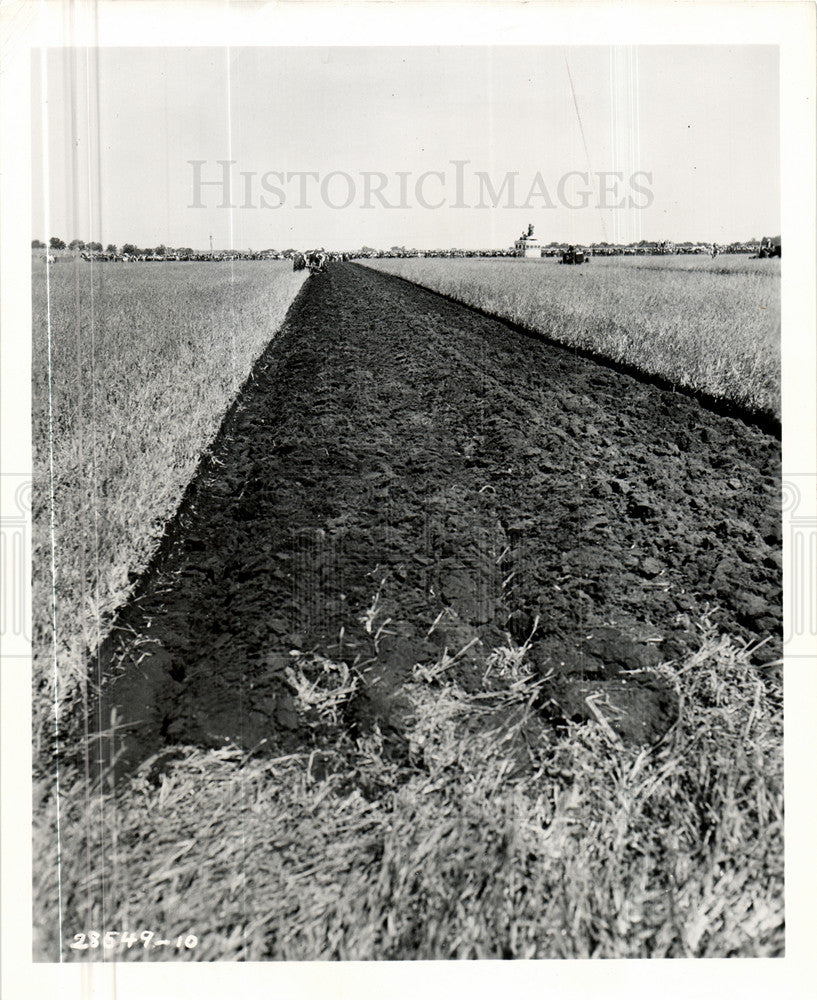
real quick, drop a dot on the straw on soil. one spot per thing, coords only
(484, 837)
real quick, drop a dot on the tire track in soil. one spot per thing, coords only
(394, 446)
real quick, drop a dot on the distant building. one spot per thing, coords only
(527, 245)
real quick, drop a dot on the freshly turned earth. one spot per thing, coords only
(392, 442)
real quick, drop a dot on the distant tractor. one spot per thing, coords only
(769, 247)
(573, 256)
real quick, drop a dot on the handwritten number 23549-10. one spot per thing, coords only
(125, 939)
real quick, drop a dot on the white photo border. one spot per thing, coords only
(791, 26)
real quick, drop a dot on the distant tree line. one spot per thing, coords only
(768, 246)
(55, 243)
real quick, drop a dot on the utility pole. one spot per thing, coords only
(211, 244)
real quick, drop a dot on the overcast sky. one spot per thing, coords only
(588, 144)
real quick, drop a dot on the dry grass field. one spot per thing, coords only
(133, 369)
(708, 325)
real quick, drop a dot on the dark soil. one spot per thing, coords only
(390, 442)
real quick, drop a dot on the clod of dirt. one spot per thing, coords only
(398, 654)
(640, 708)
(619, 651)
(650, 567)
(611, 669)
(578, 404)
(381, 702)
(553, 657)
